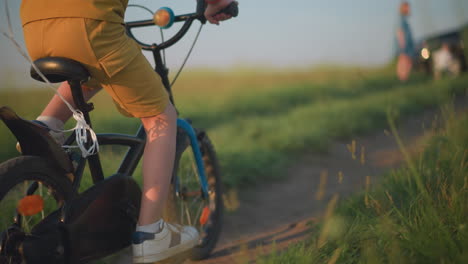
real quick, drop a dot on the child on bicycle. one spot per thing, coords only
(92, 32)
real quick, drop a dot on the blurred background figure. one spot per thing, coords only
(445, 63)
(406, 51)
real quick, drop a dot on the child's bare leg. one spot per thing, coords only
(158, 162)
(56, 113)
(57, 108)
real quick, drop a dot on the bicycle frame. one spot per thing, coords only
(136, 143)
(136, 146)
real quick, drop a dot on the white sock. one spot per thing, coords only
(54, 124)
(155, 227)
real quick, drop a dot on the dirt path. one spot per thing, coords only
(278, 212)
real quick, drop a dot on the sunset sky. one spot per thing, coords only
(273, 33)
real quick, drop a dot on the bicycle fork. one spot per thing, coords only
(190, 132)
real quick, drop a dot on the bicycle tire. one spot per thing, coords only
(209, 233)
(16, 175)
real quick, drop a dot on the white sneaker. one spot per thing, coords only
(170, 241)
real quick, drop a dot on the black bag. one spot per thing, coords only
(99, 222)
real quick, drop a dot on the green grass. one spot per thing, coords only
(260, 122)
(418, 214)
(258, 134)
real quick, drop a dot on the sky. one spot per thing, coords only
(276, 34)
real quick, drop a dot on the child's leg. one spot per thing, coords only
(57, 108)
(158, 162)
(56, 113)
(158, 159)
(154, 239)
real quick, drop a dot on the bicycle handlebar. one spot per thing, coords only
(232, 9)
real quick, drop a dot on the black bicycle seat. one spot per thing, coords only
(59, 69)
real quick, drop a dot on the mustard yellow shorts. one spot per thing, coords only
(114, 60)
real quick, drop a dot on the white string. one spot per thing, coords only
(82, 128)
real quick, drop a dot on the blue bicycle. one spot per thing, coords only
(44, 218)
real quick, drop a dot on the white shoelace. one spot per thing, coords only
(82, 129)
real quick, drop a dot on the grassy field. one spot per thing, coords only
(261, 121)
(418, 214)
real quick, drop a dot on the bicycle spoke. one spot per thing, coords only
(41, 193)
(194, 200)
(197, 215)
(181, 214)
(195, 208)
(195, 169)
(187, 213)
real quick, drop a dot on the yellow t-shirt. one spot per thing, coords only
(107, 10)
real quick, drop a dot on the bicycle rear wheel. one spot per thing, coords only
(30, 191)
(187, 202)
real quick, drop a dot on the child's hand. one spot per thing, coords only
(213, 7)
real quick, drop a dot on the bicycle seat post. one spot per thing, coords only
(85, 108)
(79, 100)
